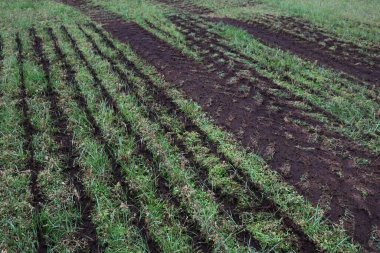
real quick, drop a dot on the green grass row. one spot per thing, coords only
(16, 214)
(165, 229)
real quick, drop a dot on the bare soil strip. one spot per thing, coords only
(165, 102)
(29, 131)
(316, 172)
(131, 197)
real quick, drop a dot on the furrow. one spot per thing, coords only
(163, 184)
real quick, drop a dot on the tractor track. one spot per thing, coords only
(307, 31)
(29, 131)
(165, 102)
(222, 63)
(138, 221)
(63, 137)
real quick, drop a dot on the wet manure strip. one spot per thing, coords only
(283, 195)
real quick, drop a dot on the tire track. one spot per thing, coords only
(138, 220)
(222, 63)
(29, 131)
(228, 201)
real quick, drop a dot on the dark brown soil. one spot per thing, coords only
(343, 59)
(311, 164)
(308, 31)
(31, 164)
(317, 171)
(63, 137)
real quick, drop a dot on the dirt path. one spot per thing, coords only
(318, 172)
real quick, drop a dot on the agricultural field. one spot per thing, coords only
(189, 126)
